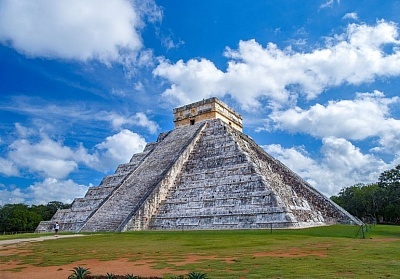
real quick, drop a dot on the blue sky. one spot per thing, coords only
(84, 84)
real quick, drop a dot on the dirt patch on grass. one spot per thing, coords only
(142, 267)
(192, 259)
(383, 240)
(12, 251)
(145, 267)
(291, 253)
(13, 270)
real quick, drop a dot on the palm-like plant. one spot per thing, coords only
(197, 275)
(131, 276)
(79, 273)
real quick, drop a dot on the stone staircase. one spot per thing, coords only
(127, 198)
(82, 208)
(219, 189)
(229, 182)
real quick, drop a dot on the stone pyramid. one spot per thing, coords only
(204, 174)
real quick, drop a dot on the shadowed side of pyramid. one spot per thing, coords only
(229, 182)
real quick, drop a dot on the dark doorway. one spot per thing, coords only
(191, 121)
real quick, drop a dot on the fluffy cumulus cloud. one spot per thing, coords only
(359, 55)
(54, 162)
(341, 165)
(47, 157)
(50, 189)
(12, 195)
(8, 168)
(71, 29)
(192, 81)
(138, 119)
(119, 148)
(368, 115)
(366, 119)
(52, 159)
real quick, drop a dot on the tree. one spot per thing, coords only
(47, 211)
(389, 183)
(18, 217)
(21, 217)
(360, 200)
(380, 201)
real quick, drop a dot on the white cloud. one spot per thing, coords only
(280, 75)
(68, 113)
(55, 161)
(118, 121)
(52, 159)
(149, 9)
(119, 148)
(169, 43)
(350, 16)
(8, 168)
(342, 165)
(329, 4)
(193, 80)
(23, 131)
(12, 196)
(71, 29)
(366, 116)
(50, 189)
(142, 121)
(47, 157)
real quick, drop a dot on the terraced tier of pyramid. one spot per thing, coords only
(204, 174)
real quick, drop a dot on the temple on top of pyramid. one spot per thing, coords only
(204, 174)
(211, 108)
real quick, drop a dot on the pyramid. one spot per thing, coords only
(203, 174)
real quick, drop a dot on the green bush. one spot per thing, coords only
(197, 275)
(79, 273)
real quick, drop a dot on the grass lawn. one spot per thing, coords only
(322, 252)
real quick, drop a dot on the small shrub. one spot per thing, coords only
(79, 273)
(197, 275)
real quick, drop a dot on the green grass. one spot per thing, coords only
(322, 252)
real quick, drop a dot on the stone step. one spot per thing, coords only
(129, 195)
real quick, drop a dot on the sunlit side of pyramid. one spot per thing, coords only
(204, 174)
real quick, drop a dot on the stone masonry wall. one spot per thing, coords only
(82, 208)
(142, 217)
(119, 207)
(207, 109)
(219, 188)
(322, 209)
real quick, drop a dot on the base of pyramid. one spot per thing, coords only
(206, 176)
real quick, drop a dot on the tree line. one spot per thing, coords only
(376, 202)
(23, 218)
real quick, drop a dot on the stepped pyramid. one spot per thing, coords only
(204, 174)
